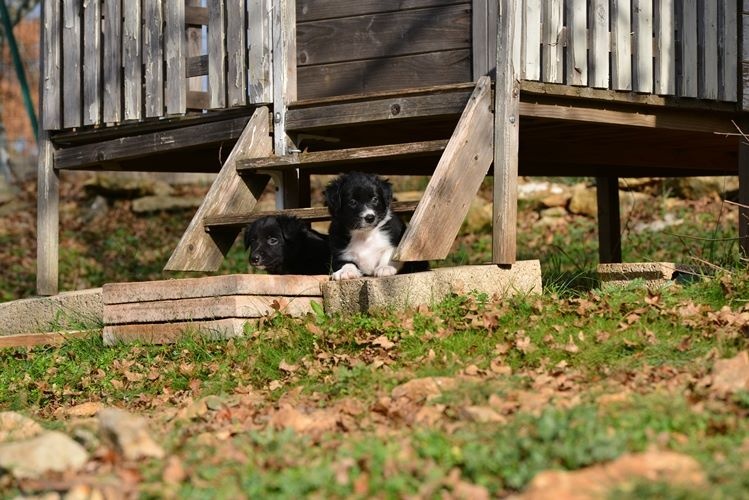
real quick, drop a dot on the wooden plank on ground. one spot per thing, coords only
(531, 51)
(92, 58)
(599, 44)
(688, 86)
(506, 140)
(665, 48)
(153, 55)
(621, 45)
(728, 46)
(347, 156)
(71, 65)
(236, 50)
(643, 46)
(213, 286)
(553, 42)
(131, 54)
(138, 146)
(35, 339)
(707, 58)
(175, 43)
(577, 42)
(216, 54)
(169, 333)
(313, 214)
(112, 75)
(609, 221)
(51, 65)
(260, 81)
(230, 194)
(456, 180)
(204, 308)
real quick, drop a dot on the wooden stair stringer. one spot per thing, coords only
(230, 194)
(455, 182)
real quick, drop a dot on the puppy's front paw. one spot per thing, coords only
(385, 271)
(347, 272)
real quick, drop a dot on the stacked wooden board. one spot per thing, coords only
(217, 306)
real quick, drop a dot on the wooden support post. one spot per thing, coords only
(230, 194)
(194, 42)
(506, 137)
(48, 183)
(455, 182)
(609, 223)
(744, 197)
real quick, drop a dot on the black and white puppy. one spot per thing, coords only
(286, 245)
(364, 233)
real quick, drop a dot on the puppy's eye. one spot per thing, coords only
(272, 241)
(375, 200)
(352, 203)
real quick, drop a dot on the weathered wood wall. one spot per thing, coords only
(347, 47)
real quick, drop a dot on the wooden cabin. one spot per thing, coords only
(454, 89)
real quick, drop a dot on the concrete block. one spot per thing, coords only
(411, 290)
(65, 311)
(654, 274)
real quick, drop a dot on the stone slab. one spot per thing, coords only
(167, 333)
(653, 274)
(34, 339)
(65, 311)
(213, 286)
(411, 290)
(205, 308)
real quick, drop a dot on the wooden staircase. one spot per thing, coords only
(461, 162)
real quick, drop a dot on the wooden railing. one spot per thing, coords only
(114, 61)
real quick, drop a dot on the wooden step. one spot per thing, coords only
(315, 214)
(352, 156)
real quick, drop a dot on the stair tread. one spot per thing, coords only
(342, 156)
(314, 214)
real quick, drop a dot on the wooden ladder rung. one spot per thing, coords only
(315, 214)
(350, 156)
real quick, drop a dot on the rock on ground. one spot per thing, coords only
(14, 426)
(731, 375)
(129, 434)
(51, 451)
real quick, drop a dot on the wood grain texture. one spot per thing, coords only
(92, 58)
(35, 339)
(175, 51)
(531, 50)
(195, 42)
(599, 44)
(688, 86)
(665, 48)
(347, 156)
(707, 57)
(169, 333)
(728, 49)
(313, 214)
(315, 10)
(217, 54)
(131, 55)
(213, 286)
(384, 35)
(204, 308)
(577, 43)
(153, 57)
(71, 63)
(506, 142)
(553, 42)
(455, 181)
(139, 146)
(642, 78)
(621, 45)
(236, 50)
(112, 71)
(260, 80)
(391, 73)
(284, 70)
(51, 61)
(229, 194)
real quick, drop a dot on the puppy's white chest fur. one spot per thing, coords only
(370, 249)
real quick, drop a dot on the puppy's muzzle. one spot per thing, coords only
(256, 260)
(369, 218)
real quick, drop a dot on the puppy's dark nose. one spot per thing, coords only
(255, 260)
(369, 218)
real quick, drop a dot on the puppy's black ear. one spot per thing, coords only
(248, 235)
(387, 191)
(333, 196)
(289, 227)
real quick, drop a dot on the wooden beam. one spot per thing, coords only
(314, 214)
(460, 171)
(138, 146)
(506, 139)
(351, 156)
(196, 15)
(609, 223)
(35, 339)
(229, 194)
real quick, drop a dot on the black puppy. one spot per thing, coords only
(364, 232)
(286, 245)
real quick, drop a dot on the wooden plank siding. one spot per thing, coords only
(91, 62)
